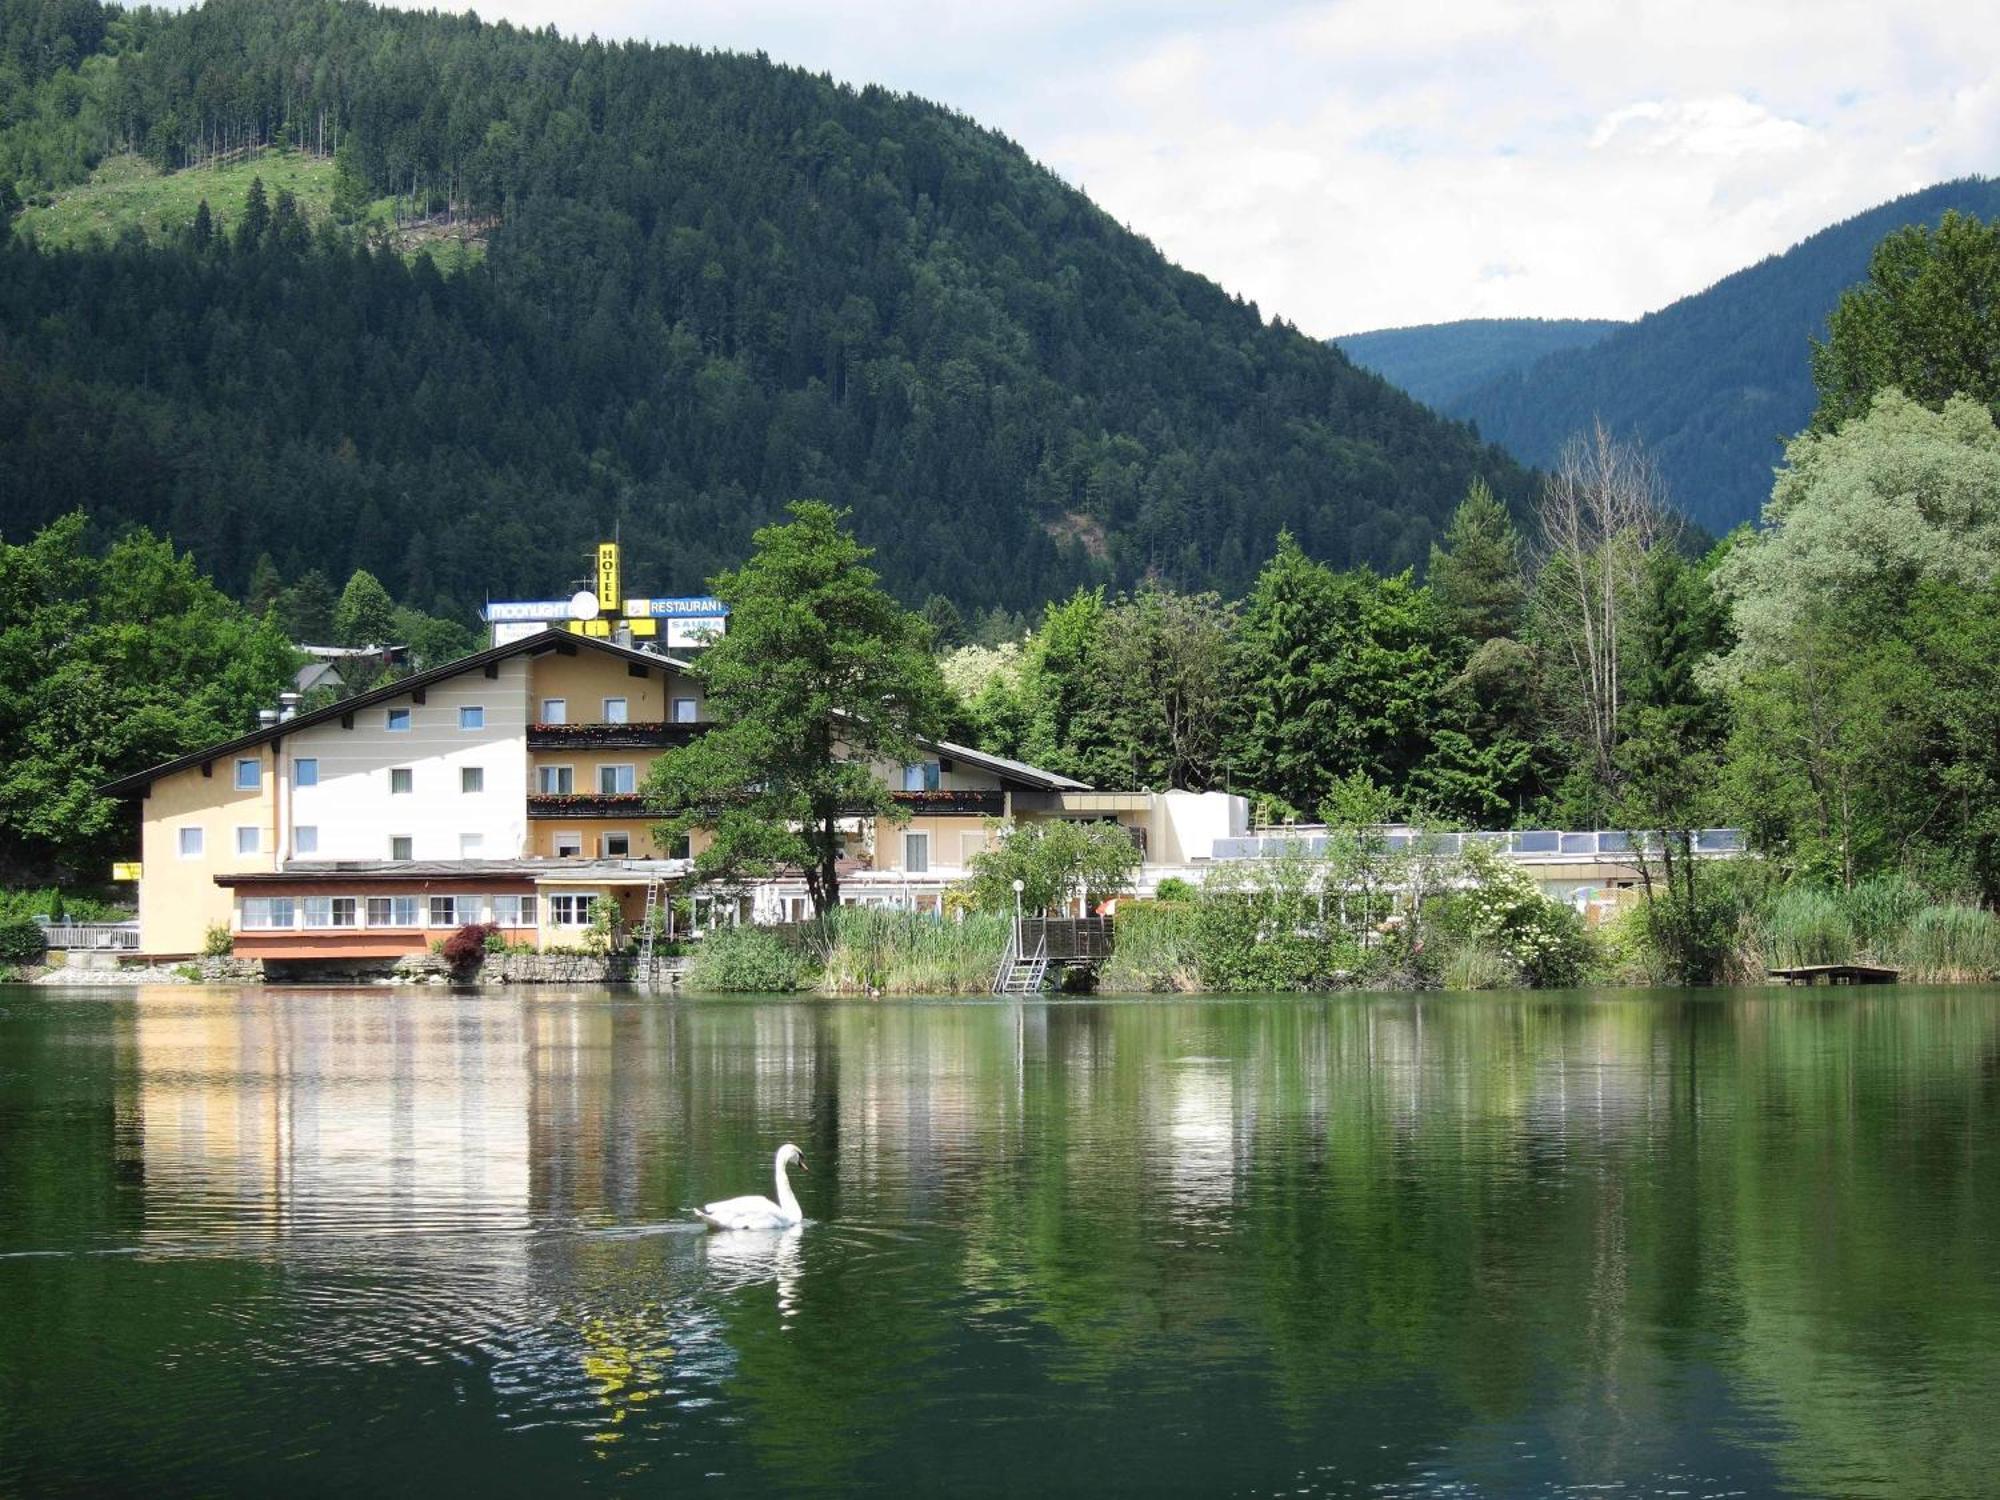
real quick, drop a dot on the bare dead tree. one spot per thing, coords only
(1601, 509)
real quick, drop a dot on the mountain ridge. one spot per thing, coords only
(1440, 362)
(714, 285)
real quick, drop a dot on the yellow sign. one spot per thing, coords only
(608, 595)
(125, 869)
(644, 627)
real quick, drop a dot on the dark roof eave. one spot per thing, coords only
(537, 644)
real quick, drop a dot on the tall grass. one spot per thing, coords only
(1157, 950)
(863, 950)
(745, 961)
(1880, 908)
(1476, 964)
(1949, 944)
(1806, 925)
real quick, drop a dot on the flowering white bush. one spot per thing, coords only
(1506, 909)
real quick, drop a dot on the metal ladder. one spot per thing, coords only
(648, 926)
(1019, 973)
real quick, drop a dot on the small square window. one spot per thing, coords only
(472, 779)
(555, 781)
(247, 840)
(191, 843)
(305, 771)
(568, 845)
(249, 775)
(616, 845)
(614, 711)
(555, 711)
(444, 911)
(305, 838)
(613, 781)
(399, 846)
(684, 710)
(399, 720)
(472, 718)
(402, 780)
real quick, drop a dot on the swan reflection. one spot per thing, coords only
(746, 1258)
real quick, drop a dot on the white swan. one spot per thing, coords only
(752, 1212)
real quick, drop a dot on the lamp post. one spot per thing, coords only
(1019, 886)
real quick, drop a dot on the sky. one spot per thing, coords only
(1359, 164)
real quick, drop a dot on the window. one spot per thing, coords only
(444, 911)
(613, 780)
(514, 911)
(247, 840)
(614, 711)
(249, 775)
(392, 911)
(328, 911)
(568, 845)
(471, 779)
(472, 718)
(305, 771)
(399, 846)
(190, 843)
(471, 845)
(267, 913)
(399, 720)
(615, 845)
(305, 839)
(921, 778)
(402, 781)
(570, 911)
(684, 710)
(555, 781)
(683, 848)
(555, 710)
(917, 853)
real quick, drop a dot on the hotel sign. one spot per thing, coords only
(608, 596)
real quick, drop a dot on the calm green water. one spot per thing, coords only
(358, 1242)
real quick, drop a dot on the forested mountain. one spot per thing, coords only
(711, 285)
(1440, 362)
(1711, 384)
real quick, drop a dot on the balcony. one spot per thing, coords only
(649, 735)
(984, 804)
(587, 805)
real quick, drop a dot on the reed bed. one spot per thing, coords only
(1807, 925)
(1949, 945)
(1157, 950)
(864, 950)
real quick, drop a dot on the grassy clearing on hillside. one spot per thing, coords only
(130, 192)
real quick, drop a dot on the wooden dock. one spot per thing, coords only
(1838, 974)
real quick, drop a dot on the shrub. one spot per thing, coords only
(1173, 888)
(1509, 912)
(745, 961)
(218, 941)
(465, 948)
(1265, 927)
(21, 941)
(48, 901)
(1476, 964)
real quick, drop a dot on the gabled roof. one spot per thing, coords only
(538, 644)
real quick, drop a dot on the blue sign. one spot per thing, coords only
(676, 609)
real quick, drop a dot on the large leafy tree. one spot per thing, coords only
(110, 663)
(820, 680)
(1339, 673)
(1926, 321)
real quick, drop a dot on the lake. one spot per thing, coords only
(397, 1242)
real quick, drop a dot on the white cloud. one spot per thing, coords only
(1361, 163)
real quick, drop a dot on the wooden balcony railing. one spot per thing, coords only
(641, 736)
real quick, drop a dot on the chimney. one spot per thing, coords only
(288, 706)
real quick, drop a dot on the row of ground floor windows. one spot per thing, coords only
(287, 913)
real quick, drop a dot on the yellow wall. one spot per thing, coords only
(178, 898)
(585, 680)
(542, 835)
(947, 835)
(585, 764)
